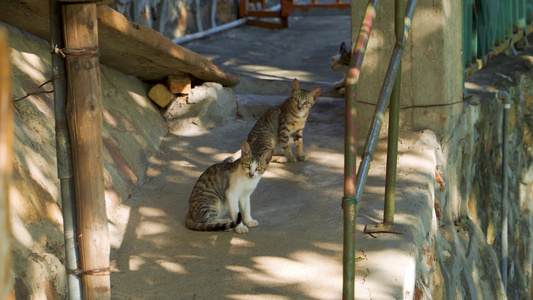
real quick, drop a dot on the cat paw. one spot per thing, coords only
(279, 159)
(303, 157)
(241, 228)
(291, 159)
(252, 223)
(341, 91)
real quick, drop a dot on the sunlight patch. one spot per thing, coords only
(172, 267)
(318, 276)
(23, 236)
(235, 241)
(258, 297)
(29, 64)
(151, 212)
(206, 150)
(141, 100)
(151, 228)
(109, 119)
(135, 263)
(328, 246)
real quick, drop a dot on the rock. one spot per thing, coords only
(179, 84)
(207, 106)
(160, 95)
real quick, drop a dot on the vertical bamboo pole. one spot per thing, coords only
(84, 115)
(350, 203)
(394, 124)
(6, 161)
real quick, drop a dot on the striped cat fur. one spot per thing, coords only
(226, 187)
(279, 123)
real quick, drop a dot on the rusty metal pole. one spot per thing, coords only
(64, 153)
(6, 162)
(350, 204)
(84, 116)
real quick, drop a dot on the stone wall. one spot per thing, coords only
(467, 204)
(132, 132)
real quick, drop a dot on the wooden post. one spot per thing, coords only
(84, 115)
(6, 162)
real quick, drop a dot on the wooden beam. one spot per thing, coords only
(139, 50)
(130, 48)
(84, 115)
(6, 162)
(97, 2)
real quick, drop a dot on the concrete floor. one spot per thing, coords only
(296, 252)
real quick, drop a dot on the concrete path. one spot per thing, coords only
(296, 252)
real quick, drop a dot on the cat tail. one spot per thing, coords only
(229, 160)
(213, 226)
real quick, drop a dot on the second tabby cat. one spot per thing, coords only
(275, 126)
(340, 62)
(224, 187)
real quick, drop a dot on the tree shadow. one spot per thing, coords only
(295, 253)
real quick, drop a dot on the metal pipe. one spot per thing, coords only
(190, 37)
(214, 14)
(394, 123)
(506, 100)
(386, 90)
(199, 16)
(349, 202)
(64, 154)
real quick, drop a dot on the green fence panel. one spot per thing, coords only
(489, 23)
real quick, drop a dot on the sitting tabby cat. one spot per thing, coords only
(227, 186)
(341, 63)
(276, 125)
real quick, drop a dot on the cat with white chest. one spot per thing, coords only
(340, 62)
(226, 187)
(278, 124)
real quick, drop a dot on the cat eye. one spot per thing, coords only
(247, 165)
(259, 168)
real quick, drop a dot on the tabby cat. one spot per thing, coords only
(275, 126)
(341, 63)
(227, 186)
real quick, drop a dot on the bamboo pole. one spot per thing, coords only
(6, 162)
(84, 116)
(394, 124)
(350, 204)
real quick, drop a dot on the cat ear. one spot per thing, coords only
(245, 150)
(295, 85)
(267, 155)
(316, 93)
(343, 49)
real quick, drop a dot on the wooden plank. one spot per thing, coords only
(84, 116)
(97, 2)
(122, 42)
(6, 162)
(153, 54)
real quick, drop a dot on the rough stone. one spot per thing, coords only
(207, 106)
(132, 130)
(160, 94)
(179, 84)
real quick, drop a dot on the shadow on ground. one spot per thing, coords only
(295, 253)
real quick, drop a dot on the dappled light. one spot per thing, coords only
(139, 99)
(297, 249)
